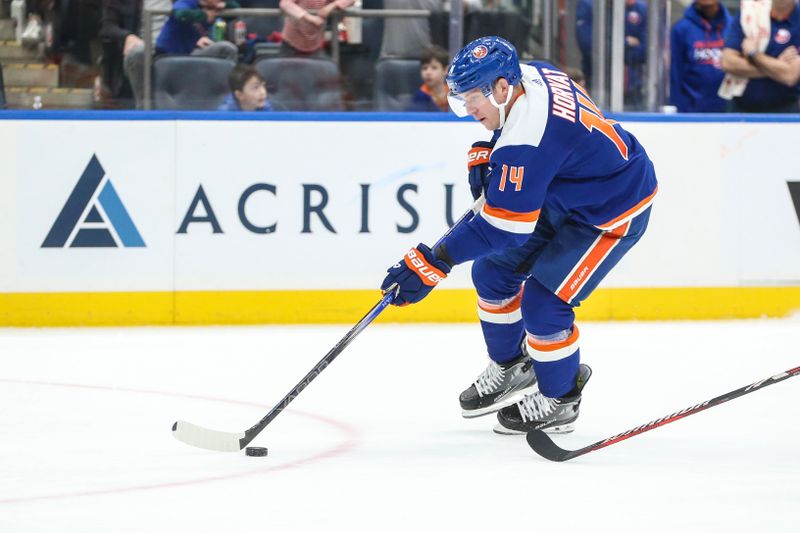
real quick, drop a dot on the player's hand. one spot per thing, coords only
(203, 42)
(478, 167)
(415, 275)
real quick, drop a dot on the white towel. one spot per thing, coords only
(756, 23)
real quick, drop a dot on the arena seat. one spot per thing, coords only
(396, 80)
(302, 84)
(190, 82)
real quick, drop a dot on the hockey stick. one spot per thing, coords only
(544, 446)
(224, 441)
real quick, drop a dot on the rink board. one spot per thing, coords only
(169, 218)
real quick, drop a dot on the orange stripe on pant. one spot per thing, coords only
(507, 313)
(548, 352)
(590, 261)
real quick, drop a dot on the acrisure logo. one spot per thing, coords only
(93, 216)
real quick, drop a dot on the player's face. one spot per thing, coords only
(433, 74)
(481, 109)
(253, 95)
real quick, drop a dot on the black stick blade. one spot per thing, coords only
(542, 444)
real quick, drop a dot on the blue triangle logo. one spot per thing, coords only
(92, 220)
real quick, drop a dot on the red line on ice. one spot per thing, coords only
(350, 442)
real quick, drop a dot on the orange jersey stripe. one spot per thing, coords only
(590, 261)
(629, 212)
(513, 216)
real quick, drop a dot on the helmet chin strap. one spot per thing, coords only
(502, 107)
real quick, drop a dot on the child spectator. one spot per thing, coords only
(696, 71)
(432, 94)
(248, 91)
(186, 30)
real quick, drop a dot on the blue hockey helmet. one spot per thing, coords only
(478, 65)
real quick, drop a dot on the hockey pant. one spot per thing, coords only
(528, 294)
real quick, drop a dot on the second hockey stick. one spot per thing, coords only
(224, 441)
(544, 445)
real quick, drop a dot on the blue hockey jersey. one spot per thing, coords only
(556, 149)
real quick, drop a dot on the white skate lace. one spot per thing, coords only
(490, 379)
(536, 407)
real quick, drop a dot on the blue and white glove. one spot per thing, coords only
(478, 167)
(415, 275)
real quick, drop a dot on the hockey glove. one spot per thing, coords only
(478, 167)
(415, 276)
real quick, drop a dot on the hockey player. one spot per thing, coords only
(568, 193)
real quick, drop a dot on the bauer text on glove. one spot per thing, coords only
(415, 275)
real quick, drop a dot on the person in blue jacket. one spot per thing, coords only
(248, 91)
(187, 29)
(635, 46)
(696, 45)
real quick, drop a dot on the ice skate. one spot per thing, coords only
(500, 385)
(536, 411)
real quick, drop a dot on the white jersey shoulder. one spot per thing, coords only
(528, 118)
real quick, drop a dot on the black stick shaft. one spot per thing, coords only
(373, 313)
(544, 446)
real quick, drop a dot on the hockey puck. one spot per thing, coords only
(255, 451)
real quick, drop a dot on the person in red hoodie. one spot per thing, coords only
(696, 71)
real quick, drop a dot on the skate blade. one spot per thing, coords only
(505, 402)
(555, 430)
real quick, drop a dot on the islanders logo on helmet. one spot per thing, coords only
(479, 52)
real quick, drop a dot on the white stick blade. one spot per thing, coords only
(208, 439)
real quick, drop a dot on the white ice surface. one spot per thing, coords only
(377, 443)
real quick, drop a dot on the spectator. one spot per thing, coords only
(186, 30)
(773, 73)
(696, 68)
(123, 54)
(407, 37)
(303, 31)
(635, 46)
(248, 91)
(432, 94)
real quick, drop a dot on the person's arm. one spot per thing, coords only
(677, 70)
(111, 24)
(785, 71)
(733, 62)
(333, 6)
(636, 42)
(297, 12)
